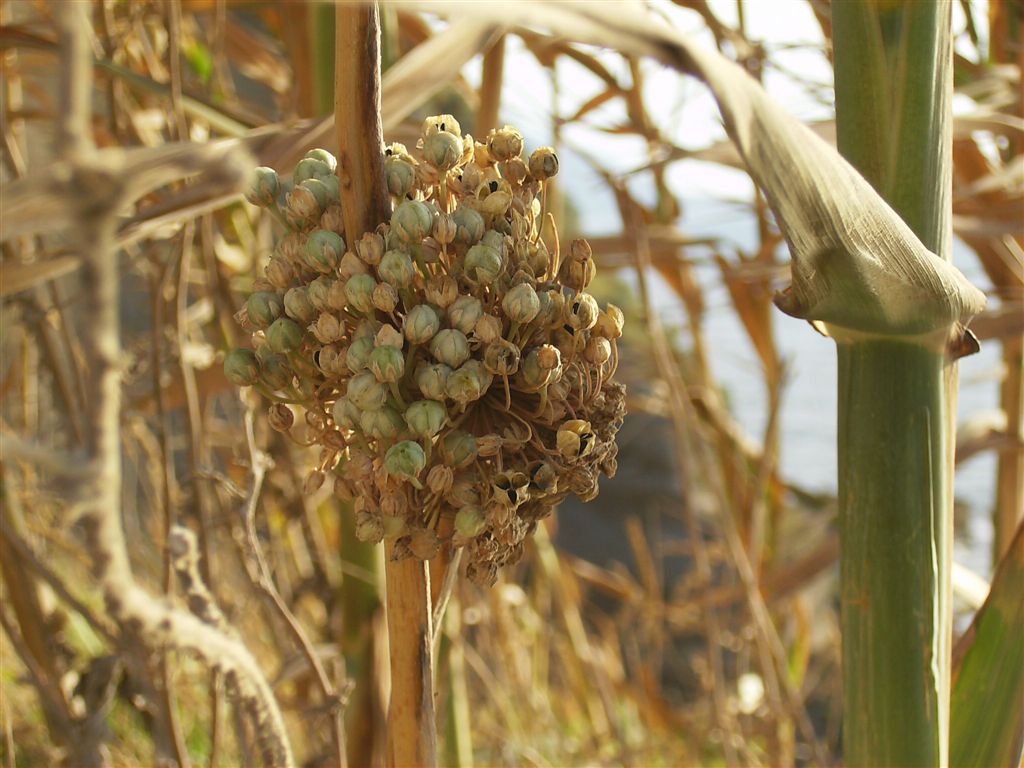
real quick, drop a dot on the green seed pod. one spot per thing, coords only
(370, 248)
(280, 417)
(385, 297)
(581, 312)
(482, 264)
(345, 414)
(324, 157)
(521, 304)
(368, 327)
(275, 372)
(241, 367)
(440, 124)
(400, 175)
(365, 392)
(405, 460)
(358, 356)
(427, 250)
(504, 143)
(469, 225)
(575, 439)
(284, 335)
(323, 250)
(510, 489)
(539, 365)
(495, 239)
(319, 292)
(450, 347)
(359, 291)
(431, 380)
(421, 324)
(464, 313)
(411, 221)
(387, 363)
(426, 417)
(311, 168)
(543, 163)
(263, 308)
(501, 357)
(397, 269)
(442, 150)
(458, 449)
(383, 424)
(468, 383)
(441, 290)
(470, 521)
(264, 187)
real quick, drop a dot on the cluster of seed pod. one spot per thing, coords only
(450, 364)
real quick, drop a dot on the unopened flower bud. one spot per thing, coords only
(504, 143)
(346, 413)
(370, 248)
(501, 357)
(458, 449)
(264, 187)
(581, 312)
(488, 329)
(469, 225)
(521, 303)
(387, 363)
(385, 297)
(482, 264)
(470, 521)
(405, 460)
(575, 439)
(358, 355)
(359, 291)
(426, 417)
(510, 489)
(396, 268)
(280, 417)
(431, 380)
(421, 324)
(442, 290)
(241, 367)
(450, 347)
(464, 313)
(468, 383)
(400, 175)
(411, 221)
(284, 335)
(383, 424)
(263, 308)
(543, 163)
(365, 392)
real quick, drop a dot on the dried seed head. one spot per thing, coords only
(609, 323)
(501, 357)
(280, 273)
(521, 303)
(575, 439)
(370, 248)
(469, 226)
(351, 265)
(445, 229)
(441, 124)
(441, 290)
(598, 350)
(510, 489)
(504, 143)
(440, 479)
(328, 328)
(543, 163)
(358, 356)
(383, 424)
(298, 306)
(468, 383)
(488, 329)
(482, 264)
(319, 293)
(385, 297)
(314, 481)
(365, 392)
(369, 527)
(323, 250)
(581, 312)
(359, 292)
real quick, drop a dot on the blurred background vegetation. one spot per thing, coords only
(688, 615)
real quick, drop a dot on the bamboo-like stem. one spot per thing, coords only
(893, 89)
(365, 204)
(490, 87)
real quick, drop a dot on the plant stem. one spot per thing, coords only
(896, 397)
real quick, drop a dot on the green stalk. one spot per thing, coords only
(896, 395)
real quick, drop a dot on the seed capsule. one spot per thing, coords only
(275, 372)
(458, 449)
(384, 424)
(396, 268)
(501, 357)
(521, 303)
(405, 460)
(346, 413)
(575, 439)
(468, 383)
(411, 221)
(358, 355)
(366, 392)
(609, 323)
(482, 264)
(510, 489)
(440, 124)
(385, 297)
(263, 308)
(400, 175)
(543, 163)
(387, 364)
(504, 143)
(431, 380)
(284, 335)
(469, 225)
(370, 248)
(441, 290)
(241, 367)
(359, 291)
(264, 187)
(581, 312)
(464, 313)
(280, 417)
(319, 293)
(426, 417)
(311, 168)
(421, 324)
(598, 350)
(442, 150)
(351, 265)
(470, 522)
(450, 347)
